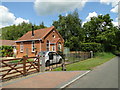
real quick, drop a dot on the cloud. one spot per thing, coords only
(106, 1)
(115, 9)
(115, 23)
(83, 23)
(45, 7)
(20, 20)
(7, 18)
(93, 14)
(114, 4)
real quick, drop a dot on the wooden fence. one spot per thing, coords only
(72, 57)
(10, 68)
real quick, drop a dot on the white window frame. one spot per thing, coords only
(47, 45)
(53, 48)
(21, 47)
(33, 44)
(53, 36)
(59, 46)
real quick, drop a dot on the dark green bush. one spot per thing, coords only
(95, 47)
(6, 51)
(110, 48)
(117, 52)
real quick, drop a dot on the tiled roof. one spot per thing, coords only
(38, 34)
(7, 42)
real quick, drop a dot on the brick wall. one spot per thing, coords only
(28, 45)
(50, 38)
(27, 49)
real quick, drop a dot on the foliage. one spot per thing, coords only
(6, 51)
(70, 28)
(89, 64)
(95, 47)
(97, 26)
(117, 53)
(101, 30)
(16, 31)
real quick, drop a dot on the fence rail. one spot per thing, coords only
(76, 56)
(20, 66)
(72, 57)
(11, 68)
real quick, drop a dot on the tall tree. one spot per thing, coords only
(96, 26)
(70, 28)
(16, 31)
(101, 30)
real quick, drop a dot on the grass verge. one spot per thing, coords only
(89, 64)
(16, 61)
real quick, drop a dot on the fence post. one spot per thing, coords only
(43, 63)
(56, 62)
(91, 54)
(24, 65)
(84, 55)
(63, 66)
(38, 63)
(87, 55)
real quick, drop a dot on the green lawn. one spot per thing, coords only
(16, 61)
(89, 64)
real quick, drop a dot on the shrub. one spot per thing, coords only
(95, 47)
(110, 48)
(117, 52)
(6, 51)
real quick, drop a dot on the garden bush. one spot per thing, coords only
(95, 47)
(6, 51)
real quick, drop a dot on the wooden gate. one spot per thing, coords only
(11, 68)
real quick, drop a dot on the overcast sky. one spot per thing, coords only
(36, 11)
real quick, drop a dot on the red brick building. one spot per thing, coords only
(47, 39)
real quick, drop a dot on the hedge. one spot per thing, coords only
(95, 47)
(6, 51)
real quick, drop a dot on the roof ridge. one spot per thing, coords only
(44, 32)
(42, 28)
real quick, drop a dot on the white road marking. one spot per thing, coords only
(75, 79)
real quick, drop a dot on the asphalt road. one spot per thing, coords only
(103, 76)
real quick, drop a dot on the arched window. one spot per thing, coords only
(47, 45)
(59, 46)
(53, 36)
(53, 48)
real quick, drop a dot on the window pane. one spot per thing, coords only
(47, 45)
(33, 46)
(21, 47)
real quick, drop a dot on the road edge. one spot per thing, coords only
(74, 79)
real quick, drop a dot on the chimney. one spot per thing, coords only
(32, 30)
